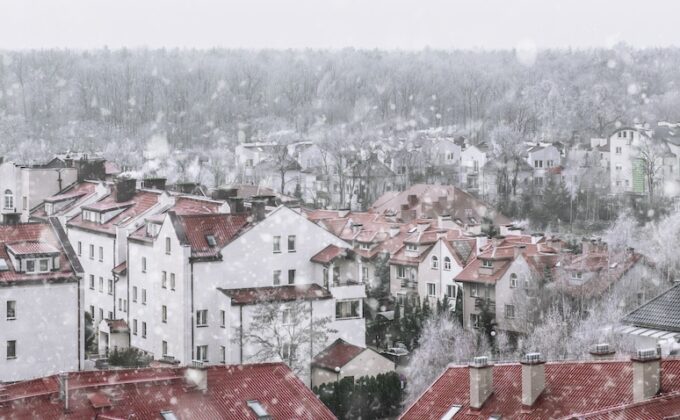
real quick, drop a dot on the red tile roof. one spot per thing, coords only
(666, 407)
(31, 248)
(33, 236)
(118, 325)
(571, 388)
(338, 354)
(193, 230)
(120, 269)
(140, 203)
(78, 193)
(328, 254)
(253, 295)
(144, 393)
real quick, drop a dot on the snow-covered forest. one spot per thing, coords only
(81, 100)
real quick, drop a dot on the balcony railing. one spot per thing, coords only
(342, 282)
(491, 304)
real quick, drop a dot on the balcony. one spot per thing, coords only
(491, 304)
(409, 284)
(347, 289)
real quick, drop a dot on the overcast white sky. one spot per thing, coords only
(404, 24)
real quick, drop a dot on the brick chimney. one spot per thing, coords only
(533, 378)
(125, 189)
(646, 374)
(412, 200)
(258, 208)
(481, 381)
(602, 351)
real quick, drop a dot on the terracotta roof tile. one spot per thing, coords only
(571, 388)
(144, 393)
(138, 205)
(338, 354)
(328, 254)
(194, 229)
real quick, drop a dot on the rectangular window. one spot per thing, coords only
(223, 354)
(277, 244)
(101, 253)
(134, 293)
(91, 282)
(510, 311)
(143, 296)
(91, 252)
(291, 276)
(291, 243)
(143, 264)
(364, 274)
(487, 263)
(11, 349)
(411, 247)
(431, 289)
(223, 319)
(134, 327)
(474, 320)
(202, 318)
(164, 348)
(101, 284)
(110, 287)
(164, 314)
(92, 312)
(347, 309)
(110, 315)
(168, 247)
(120, 304)
(401, 271)
(30, 266)
(143, 329)
(164, 280)
(172, 281)
(474, 290)
(277, 277)
(80, 249)
(202, 353)
(125, 308)
(513, 280)
(44, 265)
(101, 314)
(450, 291)
(11, 309)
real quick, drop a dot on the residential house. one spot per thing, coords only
(38, 269)
(257, 391)
(506, 279)
(473, 159)
(542, 158)
(643, 387)
(345, 360)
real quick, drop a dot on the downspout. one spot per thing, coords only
(191, 263)
(311, 338)
(114, 282)
(240, 329)
(80, 311)
(127, 282)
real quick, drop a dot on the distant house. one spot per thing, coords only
(472, 161)
(345, 360)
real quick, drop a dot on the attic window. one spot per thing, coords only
(365, 245)
(411, 247)
(259, 410)
(487, 263)
(3, 265)
(211, 240)
(451, 412)
(168, 415)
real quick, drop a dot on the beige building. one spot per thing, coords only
(344, 360)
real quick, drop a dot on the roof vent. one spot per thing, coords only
(259, 410)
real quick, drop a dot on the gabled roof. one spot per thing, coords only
(76, 194)
(328, 254)
(338, 354)
(193, 230)
(662, 312)
(288, 293)
(37, 236)
(144, 393)
(571, 388)
(140, 203)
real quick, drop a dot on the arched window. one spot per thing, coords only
(9, 199)
(447, 263)
(435, 262)
(513, 280)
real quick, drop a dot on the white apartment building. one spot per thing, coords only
(23, 187)
(37, 269)
(195, 280)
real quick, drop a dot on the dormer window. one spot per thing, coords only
(487, 263)
(365, 246)
(91, 216)
(30, 266)
(576, 275)
(152, 229)
(411, 247)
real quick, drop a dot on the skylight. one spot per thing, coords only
(259, 410)
(211, 240)
(452, 412)
(3, 265)
(168, 415)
